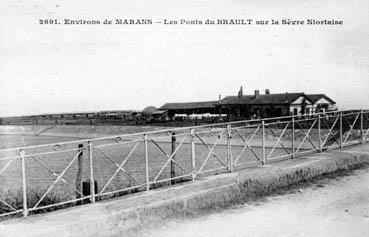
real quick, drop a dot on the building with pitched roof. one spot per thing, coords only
(264, 105)
(321, 103)
(256, 105)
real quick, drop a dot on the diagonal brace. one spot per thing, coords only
(211, 150)
(351, 127)
(330, 131)
(116, 164)
(279, 140)
(57, 180)
(56, 174)
(170, 158)
(120, 168)
(246, 145)
(307, 136)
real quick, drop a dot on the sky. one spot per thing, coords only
(72, 68)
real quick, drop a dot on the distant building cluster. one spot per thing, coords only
(229, 108)
(91, 118)
(253, 106)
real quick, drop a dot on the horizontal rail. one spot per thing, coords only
(120, 190)
(170, 179)
(58, 204)
(11, 213)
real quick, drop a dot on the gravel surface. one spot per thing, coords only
(330, 207)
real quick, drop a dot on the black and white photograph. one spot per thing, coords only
(184, 118)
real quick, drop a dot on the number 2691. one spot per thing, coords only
(48, 21)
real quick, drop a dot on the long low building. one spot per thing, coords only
(190, 108)
(256, 105)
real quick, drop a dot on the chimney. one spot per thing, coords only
(257, 92)
(240, 92)
(286, 95)
(267, 91)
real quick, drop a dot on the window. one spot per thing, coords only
(295, 111)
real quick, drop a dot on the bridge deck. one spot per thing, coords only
(125, 214)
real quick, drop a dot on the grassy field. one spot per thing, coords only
(10, 141)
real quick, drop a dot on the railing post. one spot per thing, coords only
(146, 164)
(341, 130)
(293, 138)
(92, 180)
(79, 174)
(193, 154)
(229, 151)
(263, 142)
(362, 125)
(24, 184)
(319, 135)
(172, 164)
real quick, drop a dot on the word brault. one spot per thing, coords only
(208, 22)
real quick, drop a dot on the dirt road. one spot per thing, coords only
(329, 207)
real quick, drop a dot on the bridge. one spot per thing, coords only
(59, 175)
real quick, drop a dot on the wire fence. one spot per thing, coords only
(51, 176)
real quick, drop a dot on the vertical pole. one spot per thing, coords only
(146, 164)
(263, 143)
(92, 180)
(229, 151)
(362, 125)
(79, 173)
(193, 157)
(293, 138)
(341, 130)
(220, 107)
(172, 164)
(319, 135)
(25, 209)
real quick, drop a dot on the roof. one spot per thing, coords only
(159, 112)
(282, 98)
(278, 98)
(149, 109)
(315, 97)
(189, 105)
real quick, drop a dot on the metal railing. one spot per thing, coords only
(75, 172)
